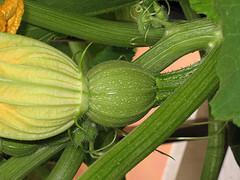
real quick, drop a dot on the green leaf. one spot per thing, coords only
(225, 105)
(85, 7)
(206, 7)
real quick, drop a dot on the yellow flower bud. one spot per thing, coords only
(41, 89)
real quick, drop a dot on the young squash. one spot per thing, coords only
(119, 93)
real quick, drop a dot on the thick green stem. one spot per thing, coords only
(19, 167)
(168, 82)
(159, 126)
(178, 41)
(68, 164)
(88, 28)
(187, 10)
(216, 150)
(85, 7)
(17, 148)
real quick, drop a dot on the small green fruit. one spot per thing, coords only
(119, 93)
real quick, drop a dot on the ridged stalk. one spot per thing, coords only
(168, 82)
(89, 28)
(85, 7)
(19, 167)
(216, 150)
(178, 41)
(68, 164)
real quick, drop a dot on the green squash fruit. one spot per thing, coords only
(119, 93)
(42, 91)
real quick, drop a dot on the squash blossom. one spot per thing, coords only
(11, 12)
(42, 91)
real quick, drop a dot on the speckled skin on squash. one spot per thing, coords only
(119, 93)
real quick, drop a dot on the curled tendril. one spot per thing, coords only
(79, 126)
(138, 9)
(149, 14)
(122, 132)
(110, 144)
(96, 153)
(168, 7)
(83, 55)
